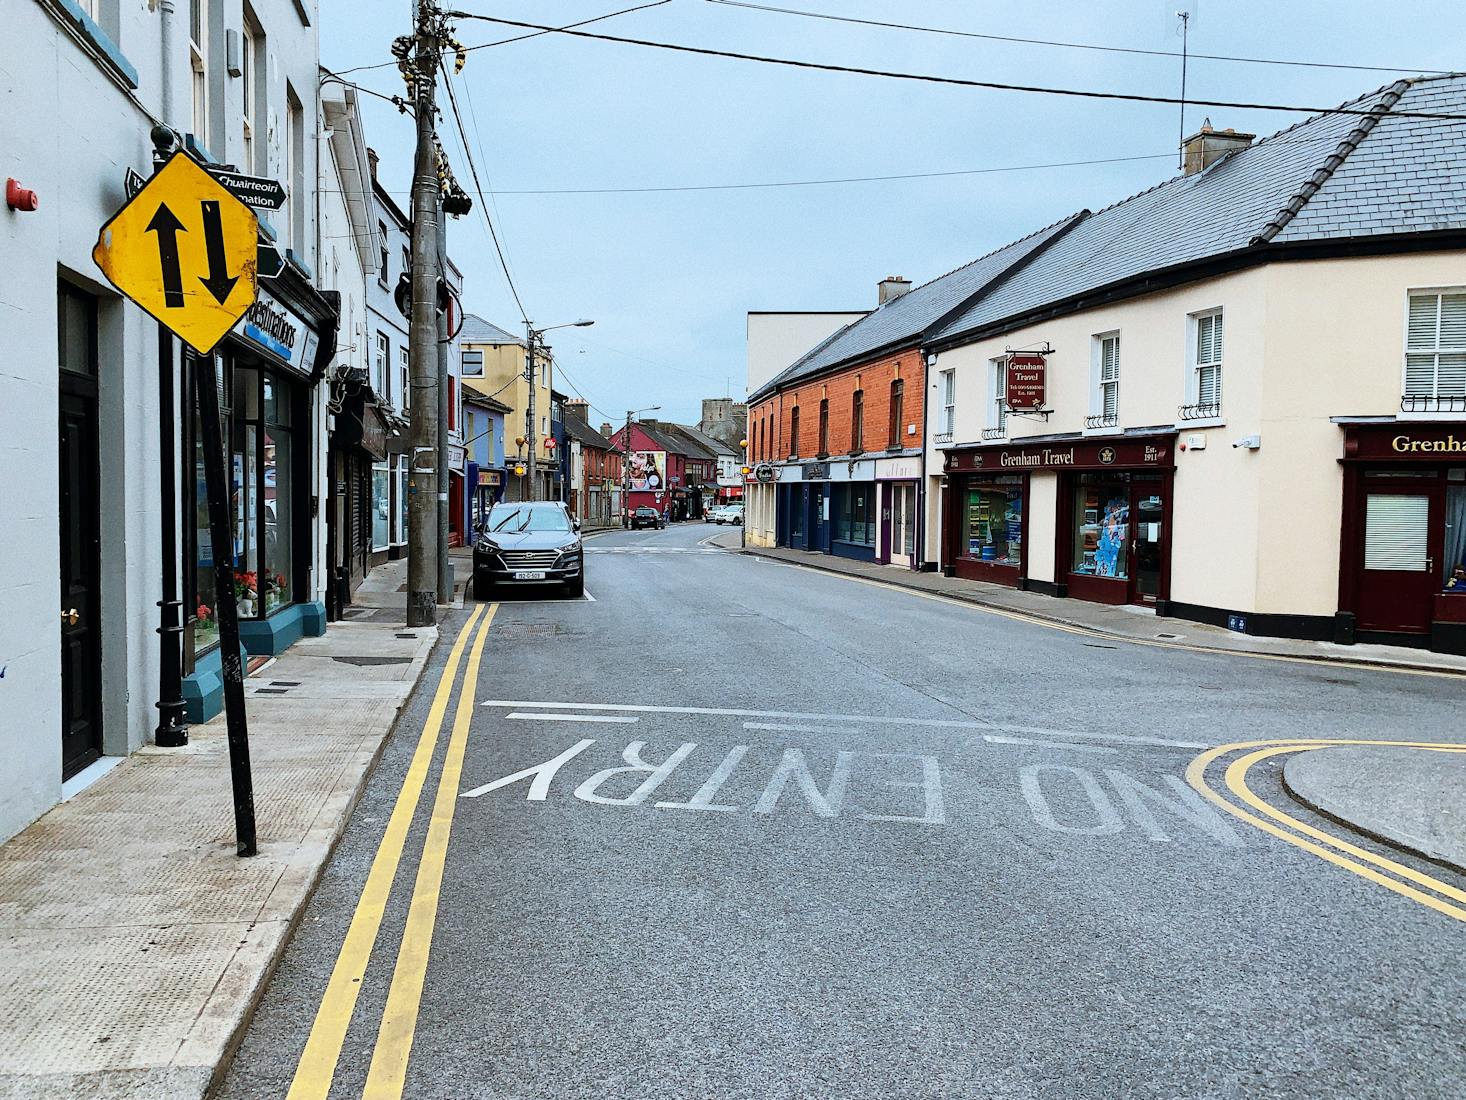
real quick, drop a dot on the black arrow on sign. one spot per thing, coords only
(166, 224)
(218, 284)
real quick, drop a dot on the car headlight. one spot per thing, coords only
(484, 546)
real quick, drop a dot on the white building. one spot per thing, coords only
(80, 398)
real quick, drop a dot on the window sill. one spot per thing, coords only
(1207, 422)
(108, 56)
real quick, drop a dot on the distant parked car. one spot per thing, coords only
(647, 517)
(727, 513)
(528, 543)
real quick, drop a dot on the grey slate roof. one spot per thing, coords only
(686, 443)
(906, 318)
(1396, 177)
(588, 436)
(707, 442)
(478, 331)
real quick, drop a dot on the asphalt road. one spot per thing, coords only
(801, 836)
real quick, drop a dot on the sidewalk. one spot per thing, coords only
(133, 941)
(1130, 623)
(1410, 799)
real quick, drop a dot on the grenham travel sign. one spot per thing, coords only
(184, 249)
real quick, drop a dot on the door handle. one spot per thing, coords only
(70, 617)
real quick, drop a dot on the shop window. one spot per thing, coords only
(381, 505)
(1101, 526)
(402, 499)
(898, 399)
(1454, 573)
(992, 521)
(824, 447)
(857, 422)
(1105, 391)
(1435, 353)
(1204, 379)
(854, 507)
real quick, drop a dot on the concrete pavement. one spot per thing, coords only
(736, 829)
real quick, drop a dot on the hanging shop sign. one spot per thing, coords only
(1027, 381)
(1156, 452)
(275, 328)
(456, 456)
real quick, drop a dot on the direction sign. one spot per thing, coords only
(260, 192)
(184, 249)
(270, 262)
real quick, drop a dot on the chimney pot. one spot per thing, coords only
(891, 288)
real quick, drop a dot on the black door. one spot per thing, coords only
(81, 650)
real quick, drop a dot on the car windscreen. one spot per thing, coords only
(512, 520)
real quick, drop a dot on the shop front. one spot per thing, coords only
(361, 505)
(487, 490)
(829, 507)
(897, 480)
(1402, 570)
(267, 371)
(1112, 523)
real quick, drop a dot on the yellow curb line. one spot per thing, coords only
(317, 1066)
(1236, 780)
(388, 1073)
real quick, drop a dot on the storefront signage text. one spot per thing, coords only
(1449, 445)
(1078, 456)
(270, 325)
(1027, 381)
(816, 471)
(1405, 443)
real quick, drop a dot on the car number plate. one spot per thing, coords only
(536, 575)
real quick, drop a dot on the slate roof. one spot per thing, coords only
(906, 318)
(1329, 177)
(707, 442)
(478, 331)
(686, 443)
(588, 436)
(483, 400)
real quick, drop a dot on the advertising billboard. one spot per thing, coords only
(647, 470)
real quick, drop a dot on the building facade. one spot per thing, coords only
(496, 368)
(484, 476)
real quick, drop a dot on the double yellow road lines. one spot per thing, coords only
(1425, 889)
(317, 1067)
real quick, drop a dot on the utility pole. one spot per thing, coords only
(626, 470)
(529, 335)
(422, 513)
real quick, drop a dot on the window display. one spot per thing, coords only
(855, 519)
(1102, 526)
(381, 504)
(992, 521)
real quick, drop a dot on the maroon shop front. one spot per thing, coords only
(1402, 552)
(1112, 527)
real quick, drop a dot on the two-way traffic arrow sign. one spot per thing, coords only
(185, 250)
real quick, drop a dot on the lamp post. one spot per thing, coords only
(625, 463)
(531, 337)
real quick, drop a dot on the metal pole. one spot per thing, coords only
(422, 519)
(529, 428)
(445, 477)
(221, 543)
(172, 731)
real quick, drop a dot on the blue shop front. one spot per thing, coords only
(829, 507)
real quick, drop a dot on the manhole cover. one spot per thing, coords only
(365, 661)
(1168, 637)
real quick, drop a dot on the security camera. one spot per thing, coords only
(1251, 442)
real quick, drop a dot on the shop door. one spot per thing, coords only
(818, 520)
(81, 651)
(1147, 538)
(903, 524)
(1397, 575)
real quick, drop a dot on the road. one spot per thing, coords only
(734, 828)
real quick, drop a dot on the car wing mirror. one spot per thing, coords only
(576, 524)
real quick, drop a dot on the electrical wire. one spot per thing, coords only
(1075, 45)
(483, 203)
(1078, 93)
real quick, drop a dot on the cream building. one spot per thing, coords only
(493, 365)
(1238, 397)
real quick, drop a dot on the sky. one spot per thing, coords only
(669, 278)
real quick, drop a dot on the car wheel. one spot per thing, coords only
(483, 588)
(575, 589)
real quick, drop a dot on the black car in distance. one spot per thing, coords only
(647, 517)
(528, 543)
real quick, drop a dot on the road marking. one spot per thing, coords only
(1236, 782)
(857, 719)
(317, 1065)
(656, 775)
(541, 716)
(388, 1070)
(542, 775)
(995, 739)
(587, 596)
(791, 728)
(703, 799)
(1137, 798)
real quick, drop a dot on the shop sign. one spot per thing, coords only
(490, 478)
(1027, 381)
(455, 457)
(764, 472)
(273, 327)
(373, 432)
(907, 468)
(1407, 443)
(1157, 453)
(816, 471)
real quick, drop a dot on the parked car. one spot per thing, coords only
(647, 517)
(727, 513)
(528, 543)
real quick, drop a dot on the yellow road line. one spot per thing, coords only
(317, 1066)
(1236, 778)
(388, 1070)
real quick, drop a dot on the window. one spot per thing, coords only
(247, 78)
(1435, 353)
(407, 258)
(406, 377)
(1101, 525)
(473, 364)
(898, 399)
(1204, 384)
(998, 399)
(295, 170)
(855, 513)
(1105, 393)
(452, 403)
(857, 422)
(384, 274)
(824, 447)
(381, 505)
(794, 432)
(198, 57)
(949, 406)
(992, 521)
(380, 380)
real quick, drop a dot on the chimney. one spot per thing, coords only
(605, 429)
(891, 288)
(578, 409)
(372, 160)
(1207, 146)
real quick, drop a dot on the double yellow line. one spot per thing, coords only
(317, 1067)
(1392, 875)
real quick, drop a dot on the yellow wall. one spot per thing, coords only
(504, 381)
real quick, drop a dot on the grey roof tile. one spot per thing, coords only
(476, 330)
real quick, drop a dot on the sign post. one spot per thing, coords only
(184, 249)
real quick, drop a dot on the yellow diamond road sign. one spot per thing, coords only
(184, 249)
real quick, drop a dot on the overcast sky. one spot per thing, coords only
(669, 277)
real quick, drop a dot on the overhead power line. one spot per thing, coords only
(1080, 93)
(1074, 45)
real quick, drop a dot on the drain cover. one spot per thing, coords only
(362, 662)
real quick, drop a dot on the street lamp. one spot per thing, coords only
(532, 335)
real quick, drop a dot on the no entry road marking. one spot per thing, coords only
(542, 716)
